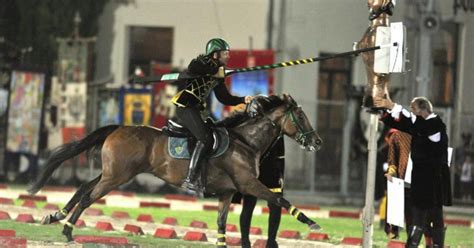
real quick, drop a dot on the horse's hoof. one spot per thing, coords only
(48, 219)
(315, 227)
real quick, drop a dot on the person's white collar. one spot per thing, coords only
(432, 115)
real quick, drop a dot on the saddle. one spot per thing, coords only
(181, 142)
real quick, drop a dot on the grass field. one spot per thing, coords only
(53, 233)
(336, 228)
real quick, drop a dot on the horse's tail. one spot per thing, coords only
(69, 150)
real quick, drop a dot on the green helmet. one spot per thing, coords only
(216, 44)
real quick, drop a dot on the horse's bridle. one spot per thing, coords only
(301, 135)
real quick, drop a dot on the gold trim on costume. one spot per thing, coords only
(276, 190)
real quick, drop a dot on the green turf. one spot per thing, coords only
(336, 228)
(39, 232)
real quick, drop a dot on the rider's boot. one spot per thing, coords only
(199, 153)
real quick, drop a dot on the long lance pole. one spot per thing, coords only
(228, 72)
(306, 61)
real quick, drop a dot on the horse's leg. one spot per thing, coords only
(60, 215)
(104, 186)
(224, 203)
(256, 188)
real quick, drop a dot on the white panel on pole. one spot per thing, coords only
(382, 56)
(397, 53)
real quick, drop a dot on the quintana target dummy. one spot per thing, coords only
(380, 63)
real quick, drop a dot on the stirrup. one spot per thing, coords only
(187, 184)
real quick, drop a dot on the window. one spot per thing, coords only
(444, 64)
(334, 79)
(149, 44)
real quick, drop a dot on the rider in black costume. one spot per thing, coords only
(190, 101)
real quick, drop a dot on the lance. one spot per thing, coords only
(187, 75)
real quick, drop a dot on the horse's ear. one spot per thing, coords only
(288, 99)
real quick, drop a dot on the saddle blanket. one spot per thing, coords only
(178, 147)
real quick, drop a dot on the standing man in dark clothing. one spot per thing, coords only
(430, 180)
(190, 101)
(272, 171)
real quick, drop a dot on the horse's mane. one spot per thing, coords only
(237, 118)
(270, 102)
(233, 120)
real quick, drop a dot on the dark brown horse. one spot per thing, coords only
(129, 150)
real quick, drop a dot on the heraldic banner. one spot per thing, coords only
(26, 106)
(136, 106)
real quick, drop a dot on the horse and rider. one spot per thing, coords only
(127, 151)
(189, 101)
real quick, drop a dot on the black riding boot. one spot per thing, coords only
(199, 153)
(438, 237)
(415, 236)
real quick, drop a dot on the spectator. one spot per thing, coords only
(466, 179)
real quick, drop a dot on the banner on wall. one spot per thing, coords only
(24, 116)
(136, 106)
(72, 61)
(242, 84)
(52, 120)
(73, 108)
(71, 134)
(3, 101)
(163, 108)
(109, 111)
(250, 83)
